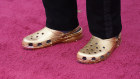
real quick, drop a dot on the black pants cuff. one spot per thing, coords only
(68, 27)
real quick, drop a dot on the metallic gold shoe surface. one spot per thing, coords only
(47, 37)
(97, 49)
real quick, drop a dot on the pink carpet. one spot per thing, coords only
(19, 18)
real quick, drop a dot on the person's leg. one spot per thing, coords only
(105, 26)
(61, 25)
(61, 14)
(104, 18)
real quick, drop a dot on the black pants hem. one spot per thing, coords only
(104, 18)
(102, 34)
(68, 27)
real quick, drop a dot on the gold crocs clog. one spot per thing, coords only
(47, 37)
(98, 49)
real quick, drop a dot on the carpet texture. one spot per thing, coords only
(19, 18)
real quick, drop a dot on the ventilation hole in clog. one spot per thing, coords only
(108, 54)
(39, 44)
(48, 41)
(89, 53)
(93, 58)
(36, 36)
(96, 47)
(31, 38)
(84, 58)
(94, 52)
(91, 45)
(30, 44)
(91, 49)
(37, 33)
(42, 33)
(96, 43)
(104, 47)
(83, 52)
(102, 57)
(100, 50)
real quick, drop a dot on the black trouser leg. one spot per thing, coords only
(61, 14)
(104, 18)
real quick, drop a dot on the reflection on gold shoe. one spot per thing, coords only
(47, 37)
(98, 49)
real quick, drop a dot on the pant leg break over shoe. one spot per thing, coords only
(47, 37)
